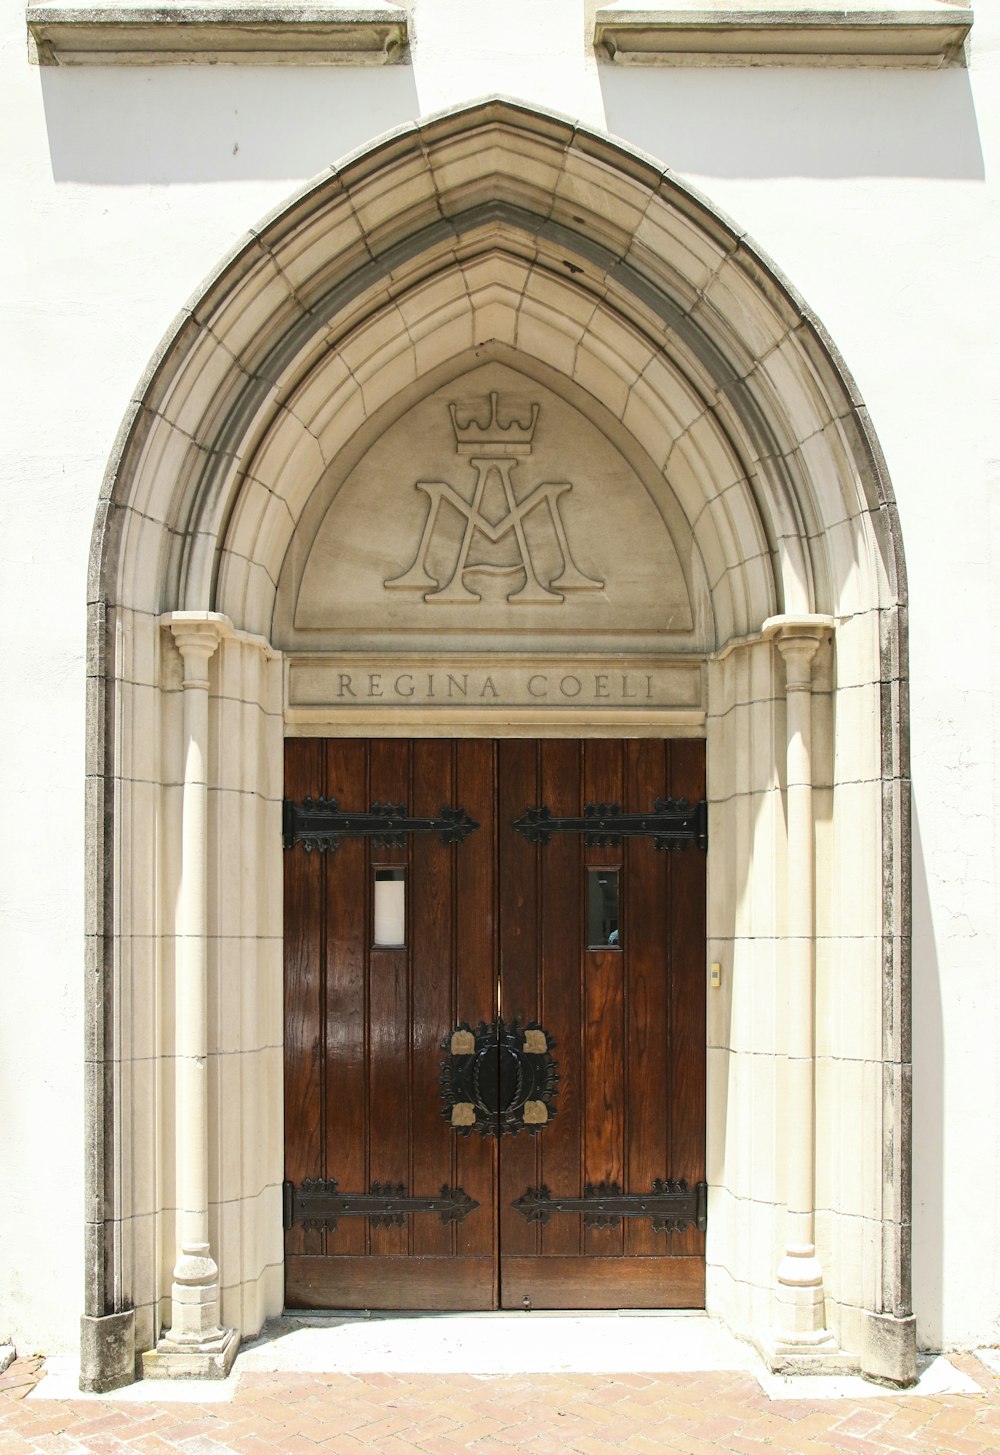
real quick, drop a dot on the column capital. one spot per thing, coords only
(797, 626)
(797, 638)
(196, 634)
(798, 652)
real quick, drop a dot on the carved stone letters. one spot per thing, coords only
(351, 685)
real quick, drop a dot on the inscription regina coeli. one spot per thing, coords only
(493, 450)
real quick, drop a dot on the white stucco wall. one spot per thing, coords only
(875, 192)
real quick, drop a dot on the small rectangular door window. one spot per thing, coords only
(390, 907)
(602, 909)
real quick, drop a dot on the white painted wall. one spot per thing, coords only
(876, 192)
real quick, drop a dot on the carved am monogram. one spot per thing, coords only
(493, 450)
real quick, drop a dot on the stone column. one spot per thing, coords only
(196, 1345)
(800, 1338)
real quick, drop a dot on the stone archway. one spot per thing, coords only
(500, 235)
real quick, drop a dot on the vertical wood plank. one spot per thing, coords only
(433, 1002)
(646, 952)
(686, 1080)
(475, 978)
(345, 1037)
(604, 1016)
(303, 989)
(561, 950)
(518, 787)
(389, 1009)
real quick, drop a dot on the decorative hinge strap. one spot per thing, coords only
(318, 823)
(318, 1203)
(671, 1206)
(674, 823)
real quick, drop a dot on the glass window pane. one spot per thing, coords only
(390, 906)
(602, 909)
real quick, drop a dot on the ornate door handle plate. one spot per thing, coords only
(498, 1078)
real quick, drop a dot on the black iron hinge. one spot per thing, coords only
(318, 1203)
(671, 1206)
(319, 823)
(674, 823)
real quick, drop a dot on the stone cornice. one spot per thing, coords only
(923, 33)
(252, 32)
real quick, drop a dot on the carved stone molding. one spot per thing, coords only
(923, 33)
(253, 32)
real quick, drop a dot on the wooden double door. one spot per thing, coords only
(494, 1035)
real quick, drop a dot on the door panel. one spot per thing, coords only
(450, 1282)
(589, 1282)
(362, 1098)
(628, 1022)
(495, 924)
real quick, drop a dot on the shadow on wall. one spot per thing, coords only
(215, 123)
(928, 1112)
(231, 123)
(763, 122)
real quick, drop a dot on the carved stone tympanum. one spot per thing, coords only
(492, 515)
(493, 449)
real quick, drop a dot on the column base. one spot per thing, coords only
(107, 1352)
(816, 1353)
(204, 1359)
(889, 1350)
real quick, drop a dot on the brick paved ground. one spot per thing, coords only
(580, 1414)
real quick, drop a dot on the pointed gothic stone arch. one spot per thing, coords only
(497, 236)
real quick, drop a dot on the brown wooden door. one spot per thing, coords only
(495, 926)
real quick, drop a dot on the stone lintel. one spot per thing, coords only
(509, 695)
(251, 32)
(891, 33)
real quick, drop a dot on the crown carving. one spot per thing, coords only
(495, 437)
